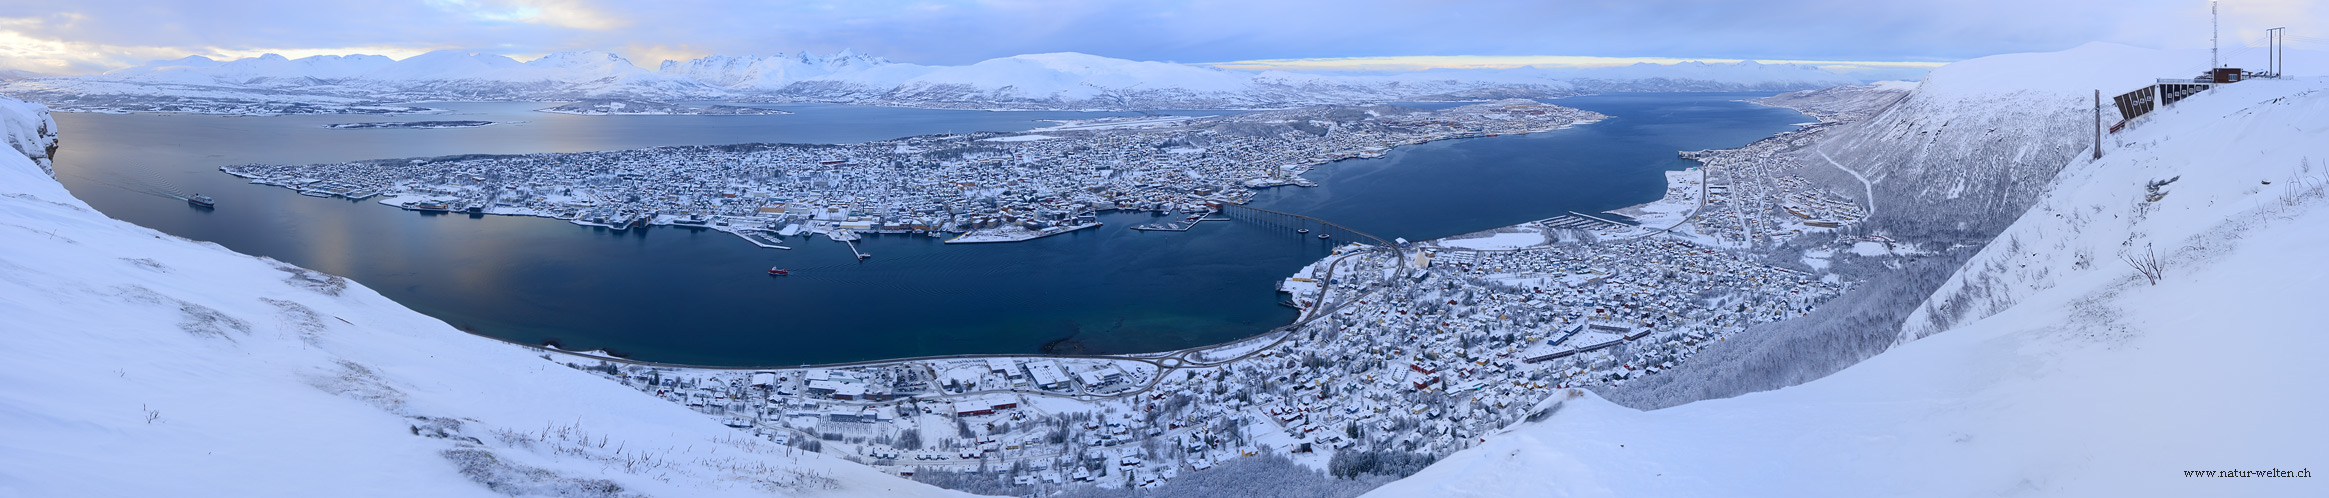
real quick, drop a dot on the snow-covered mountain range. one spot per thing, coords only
(365, 83)
(2061, 369)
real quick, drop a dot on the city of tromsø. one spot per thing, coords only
(1402, 347)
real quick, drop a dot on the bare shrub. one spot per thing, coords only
(2147, 264)
(324, 283)
(512, 479)
(203, 321)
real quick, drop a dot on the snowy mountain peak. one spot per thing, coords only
(585, 59)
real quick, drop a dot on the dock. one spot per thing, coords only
(763, 239)
(853, 250)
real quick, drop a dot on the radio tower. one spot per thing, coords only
(2213, 20)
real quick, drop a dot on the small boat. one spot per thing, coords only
(1322, 236)
(200, 200)
(1304, 230)
(779, 272)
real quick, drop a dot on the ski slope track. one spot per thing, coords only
(143, 364)
(2071, 375)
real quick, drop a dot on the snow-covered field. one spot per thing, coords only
(143, 364)
(2086, 380)
(1685, 190)
(1498, 241)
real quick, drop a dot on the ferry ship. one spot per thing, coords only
(779, 272)
(199, 200)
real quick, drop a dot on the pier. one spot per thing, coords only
(760, 238)
(853, 249)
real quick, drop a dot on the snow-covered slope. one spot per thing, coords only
(1849, 103)
(30, 131)
(1036, 81)
(1980, 137)
(142, 364)
(2090, 381)
(774, 73)
(1942, 171)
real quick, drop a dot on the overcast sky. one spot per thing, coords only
(81, 36)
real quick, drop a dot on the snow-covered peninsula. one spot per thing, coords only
(618, 107)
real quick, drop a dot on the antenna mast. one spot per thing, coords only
(2213, 31)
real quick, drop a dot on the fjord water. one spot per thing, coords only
(701, 297)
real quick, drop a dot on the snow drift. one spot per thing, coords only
(143, 364)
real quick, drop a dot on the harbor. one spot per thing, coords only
(1017, 233)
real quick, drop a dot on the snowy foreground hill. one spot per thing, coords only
(2074, 376)
(143, 364)
(272, 84)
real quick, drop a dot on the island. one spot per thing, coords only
(618, 107)
(408, 125)
(983, 187)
